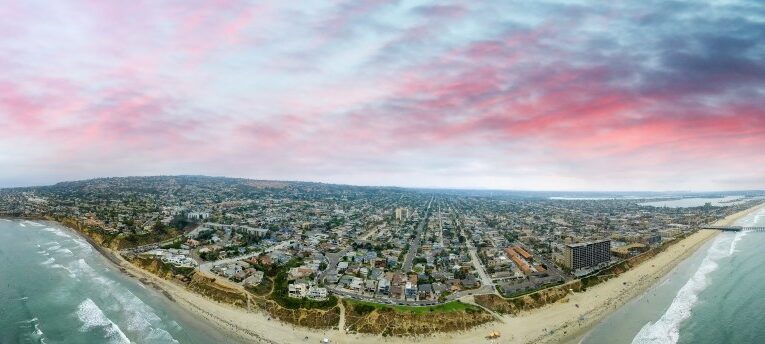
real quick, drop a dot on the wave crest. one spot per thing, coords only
(93, 317)
(667, 328)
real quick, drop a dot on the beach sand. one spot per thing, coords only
(555, 323)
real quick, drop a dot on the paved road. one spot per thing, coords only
(415, 245)
(485, 279)
(207, 266)
(477, 264)
(150, 247)
(386, 300)
(551, 268)
(381, 300)
(483, 290)
(332, 260)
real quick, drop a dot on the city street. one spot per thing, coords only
(206, 267)
(415, 245)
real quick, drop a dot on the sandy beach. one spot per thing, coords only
(564, 321)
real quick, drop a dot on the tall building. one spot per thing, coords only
(401, 214)
(586, 255)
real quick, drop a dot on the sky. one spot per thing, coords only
(524, 95)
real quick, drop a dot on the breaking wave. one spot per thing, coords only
(57, 232)
(65, 251)
(140, 319)
(93, 317)
(667, 328)
(35, 334)
(53, 248)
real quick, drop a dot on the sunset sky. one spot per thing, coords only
(532, 95)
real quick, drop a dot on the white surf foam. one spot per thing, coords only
(82, 244)
(92, 317)
(48, 261)
(39, 332)
(68, 270)
(140, 318)
(667, 328)
(53, 248)
(57, 232)
(65, 251)
(37, 335)
(736, 239)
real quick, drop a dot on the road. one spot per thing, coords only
(207, 266)
(551, 268)
(483, 290)
(150, 247)
(485, 279)
(386, 300)
(381, 300)
(332, 260)
(441, 225)
(415, 245)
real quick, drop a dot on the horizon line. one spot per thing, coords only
(454, 188)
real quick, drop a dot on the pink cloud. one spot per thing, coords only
(231, 88)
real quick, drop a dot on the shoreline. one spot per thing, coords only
(566, 321)
(572, 318)
(159, 285)
(730, 220)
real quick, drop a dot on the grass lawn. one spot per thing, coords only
(453, 306)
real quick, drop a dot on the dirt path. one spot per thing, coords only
(341, 324)
(471, 301)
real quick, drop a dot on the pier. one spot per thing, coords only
(736, 228)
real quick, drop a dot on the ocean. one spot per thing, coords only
(715, 296)
(55, 288)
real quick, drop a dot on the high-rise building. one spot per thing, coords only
(401, 214)
(586, 255)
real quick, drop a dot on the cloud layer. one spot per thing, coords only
(506, 94)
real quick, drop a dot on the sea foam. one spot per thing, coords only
(93, 317)
(65, 251)
(140, 318)
(57, 232)
(667, 328)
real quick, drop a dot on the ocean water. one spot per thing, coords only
(55, 288)
(715, 296)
